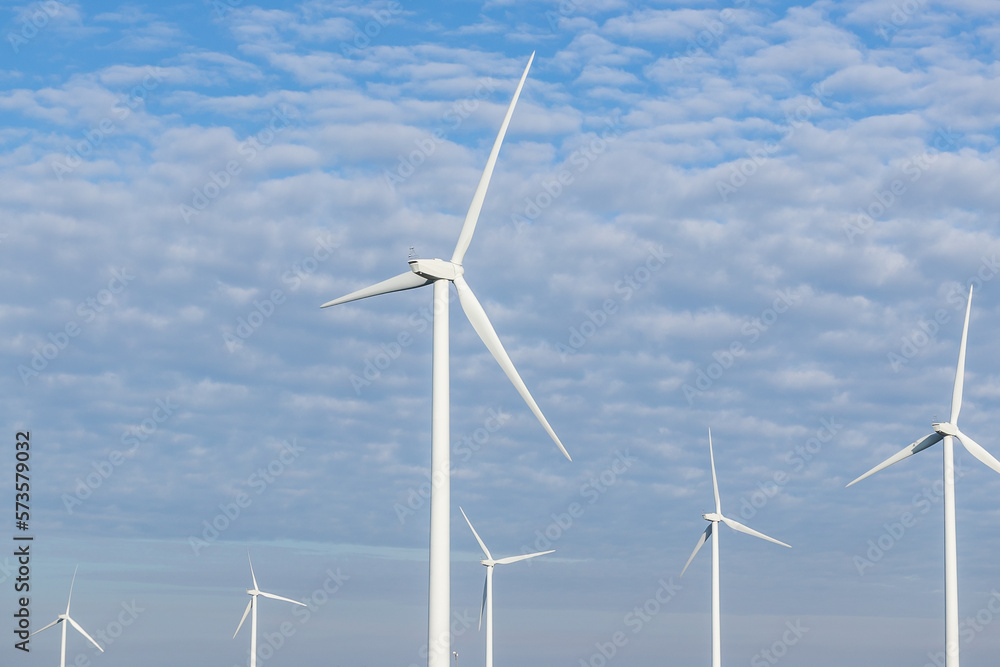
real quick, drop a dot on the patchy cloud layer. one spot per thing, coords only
(758, 218)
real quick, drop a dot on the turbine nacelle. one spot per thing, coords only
(946, 428)
(944, 431)
(436, 269)
(67, 620)
(949, 428)
(715, 518)
(487, 607)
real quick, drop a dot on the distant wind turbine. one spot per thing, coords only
(64, 619)
(946, 431)
(713, 530)
(442, 272)
(252, 607)
(487, 605)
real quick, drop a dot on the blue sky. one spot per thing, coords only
(752, 216)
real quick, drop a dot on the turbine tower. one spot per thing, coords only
(442, 272)
(713, 519)
(946, 431)
(487, 605)
(66, 620)
(252, 606)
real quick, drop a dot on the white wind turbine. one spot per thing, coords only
(487, 605)
(65, 619)
(713, 531)
(252, 606)
(946, 431)
(442, 272)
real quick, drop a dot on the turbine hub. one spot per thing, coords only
(487, 562)
(945, 428)
(436, 269)
(712, 516)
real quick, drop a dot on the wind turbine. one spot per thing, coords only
(946, 431)
(489, 562)
(64, 619)
(713, 519)
(252, 606)
(440, 273)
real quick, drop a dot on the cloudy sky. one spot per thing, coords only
(755, 217)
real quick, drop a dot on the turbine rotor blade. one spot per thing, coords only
(909, 450)
(478, 539)
(514, 559)
(71, 583)
(252, 575)
(278, 597)
(482, 607)
(245, 612)
(715, 480)
(978, 451)
(736, 525)
(403, 281)
(481, 323)
(84, 633)
(472, 216)
(701, 541)
(55, 622)
(956, 396)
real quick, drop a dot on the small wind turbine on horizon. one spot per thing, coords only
(65, 619)
(441, 273)
(713, 531)
(945, 431)
(487, 605)
(252, 607)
